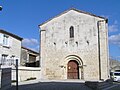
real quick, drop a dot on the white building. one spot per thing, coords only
(10, 48)
(74, 45)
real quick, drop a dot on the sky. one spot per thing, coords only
(22, 17)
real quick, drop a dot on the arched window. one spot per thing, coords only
(71, 32)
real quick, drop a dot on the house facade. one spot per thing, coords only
(114, 65)
(29, 57)
(74, 45)
(10, 48)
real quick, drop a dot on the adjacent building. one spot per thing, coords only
(74, 45)
(114, 65)
(10, 48)
(29, 58)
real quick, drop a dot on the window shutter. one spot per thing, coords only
(1, 38)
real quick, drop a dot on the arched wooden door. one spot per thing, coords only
(73, 70)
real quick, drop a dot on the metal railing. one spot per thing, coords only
(7, 62)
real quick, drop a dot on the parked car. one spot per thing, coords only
(116, 76)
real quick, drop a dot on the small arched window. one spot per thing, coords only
(71, 32)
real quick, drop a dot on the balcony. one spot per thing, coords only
(5, 63)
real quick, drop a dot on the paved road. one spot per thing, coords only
(116, 87)
(58, 85)
(53, 86)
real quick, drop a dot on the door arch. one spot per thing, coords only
(73, 70)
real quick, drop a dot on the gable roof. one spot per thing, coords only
(80, 11)
(10, 34)
(30, 50)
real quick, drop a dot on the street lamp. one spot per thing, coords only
(0, 8)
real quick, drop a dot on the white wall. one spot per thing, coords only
(25, 73)
(13, 48)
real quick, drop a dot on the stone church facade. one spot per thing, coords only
(74, 45)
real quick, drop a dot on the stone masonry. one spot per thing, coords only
(88, 47)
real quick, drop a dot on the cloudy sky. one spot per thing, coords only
(22, 17)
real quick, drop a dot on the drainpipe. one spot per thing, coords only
(39, 47)
(99, 51)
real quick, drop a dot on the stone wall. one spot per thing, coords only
(27, 73)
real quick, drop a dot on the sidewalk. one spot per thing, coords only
(41, 80)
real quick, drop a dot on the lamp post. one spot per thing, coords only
(16, 74)
(0, 8)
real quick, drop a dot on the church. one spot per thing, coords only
(74, 45)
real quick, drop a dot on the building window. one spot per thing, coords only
(32, 58)
(5, 40)
(12, 58)
(71, 32)
(4, 59)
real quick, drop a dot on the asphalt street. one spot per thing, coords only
(52, 86)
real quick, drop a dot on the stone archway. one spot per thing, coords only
(78, 66)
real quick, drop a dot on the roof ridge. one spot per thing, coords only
(72, 8)
(11, 34)
(29, 49)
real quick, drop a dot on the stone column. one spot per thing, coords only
(42, 53)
